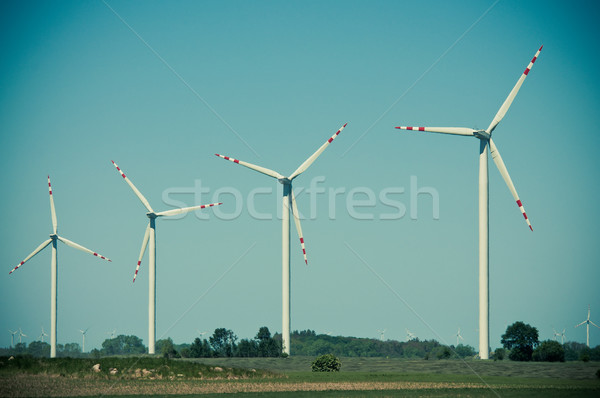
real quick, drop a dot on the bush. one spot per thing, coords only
(598, 373)
(549, 351)
(499, 354)
(326, 363)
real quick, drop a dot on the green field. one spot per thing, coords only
(270, 377)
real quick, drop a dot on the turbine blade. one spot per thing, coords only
(298, 227)
(83, 249)
(595, 324)
(442, 130)
(36, 251)
(175, 212)
(508, 101)
(315, 155)
(52, 209)
(254, 167)
(504, 172)
(135, 190)
(144, 244)
(582, 323)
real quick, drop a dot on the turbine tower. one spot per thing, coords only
(42, 335)
(150, 236)
(54, 238)
(12, 337)
(458, 337)
(587, 322)
(485, 140)
(83, 332)
(21, 334)
(288, 198)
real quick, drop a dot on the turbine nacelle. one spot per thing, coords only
(151, 215)
(482, 134)
(285, 181)
(53, 236)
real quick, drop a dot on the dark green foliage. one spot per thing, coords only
(268, 346)
(166, 348)
(223, 342)
(326, 363)
(549, 351)
(573, 350)
(39, 349)
(465, 351)
(499, 354)
(520, 339)
(247, 348)
(123, 345)
(200, 349)
(598, 373)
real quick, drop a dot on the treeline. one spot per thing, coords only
(223, 343)
(308, 343)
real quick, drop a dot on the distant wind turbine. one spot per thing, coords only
(12, 337)
(150, 236)
(83, 332)
(54, 267)
(112, 333)
(201, 333)
(409, 335)
(485, 141)
(381, 334)
(288, 199)
(587, 322)
(561, 335)
(21, 334)
(42, 335)
(458, 336)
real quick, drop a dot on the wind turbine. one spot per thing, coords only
(288, 198)
(12, 337)
(43, 334)
(485, 139)
(54, 238)
(201, 333)
(458, 336)
(562, 336)
(587, 322)
(150, 236)
(83, 332)
(409, 335)
(112, 333)
(21, 334)
(382, 334)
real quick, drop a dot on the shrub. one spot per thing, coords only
(499, 354)
(549, 351)
(326, 363)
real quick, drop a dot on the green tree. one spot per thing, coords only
(200, 349)
(573, 350)
(326, 363)
(267, 345)
(166, 348)
(247, 348)
(520, 338)
(549, 351)
(72, 350)
(223, 342)
(123, 345)
(39, 349)
(464, 351)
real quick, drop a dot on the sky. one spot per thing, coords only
(391, 223)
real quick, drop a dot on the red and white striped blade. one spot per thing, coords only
(298, 227)
(52, 209)
(83, 249)
(36, 251)
(135, 190)
(504, 172)
(175, 212)
(144, 244)
(442, 130)
(508, 101)
(315, 155)
(260, 169)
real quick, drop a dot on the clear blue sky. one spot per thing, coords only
(79, 88)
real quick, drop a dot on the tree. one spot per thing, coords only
(326, 363)
(223, 342)
(72, 350)
(520, 338)
(39, 349)
(200, 349)
(122, 345)
(166, 348)
(549, 351)
(267, 345)
(464, 351)
(247, 348)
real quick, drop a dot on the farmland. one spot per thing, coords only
(273, 376)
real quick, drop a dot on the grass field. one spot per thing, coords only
(360, 377)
